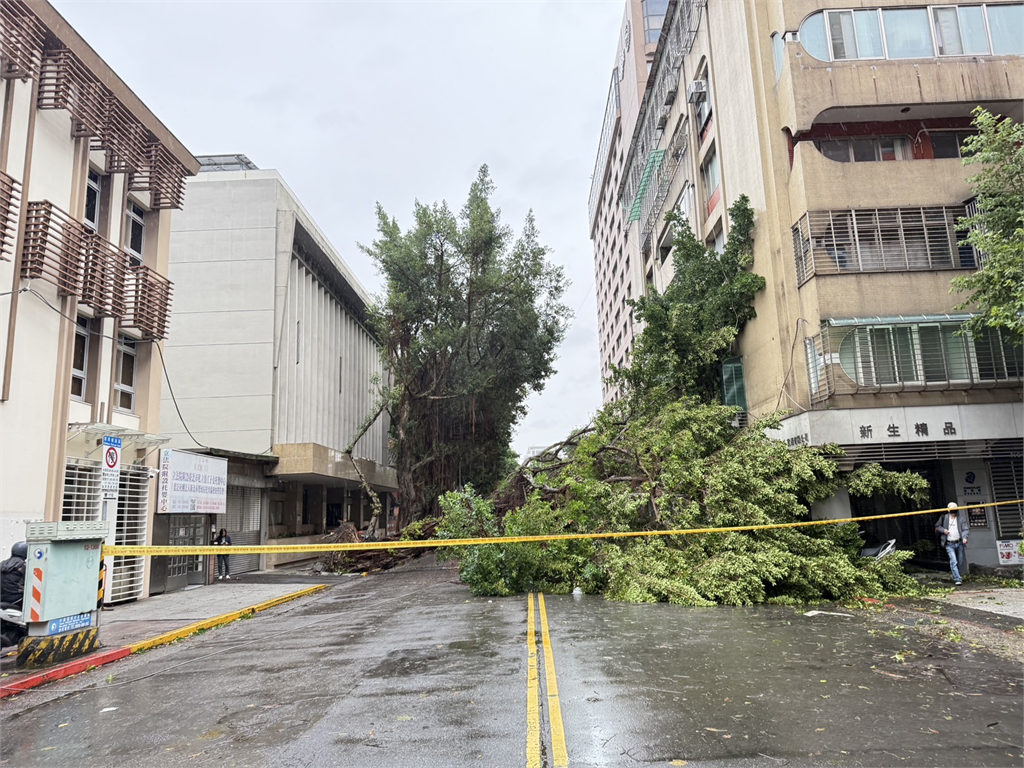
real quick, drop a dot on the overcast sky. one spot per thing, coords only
(359, 102)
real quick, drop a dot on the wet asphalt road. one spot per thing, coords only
(408, 669)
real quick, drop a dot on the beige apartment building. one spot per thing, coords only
(88, 179)
(843, 122)
(617, 274)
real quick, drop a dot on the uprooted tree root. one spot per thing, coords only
(359, 561)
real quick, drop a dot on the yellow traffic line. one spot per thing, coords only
(155, 550)
(532, 690)
(191, 629)
(558, 749)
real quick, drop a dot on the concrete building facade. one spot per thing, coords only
(272, 361)
(843, 124)
(88, 179)
(616, 274)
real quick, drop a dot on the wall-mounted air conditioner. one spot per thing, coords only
(697, 91)
(670, 95)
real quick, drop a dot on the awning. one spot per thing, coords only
(838, 322)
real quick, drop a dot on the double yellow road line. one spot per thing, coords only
(559, 753)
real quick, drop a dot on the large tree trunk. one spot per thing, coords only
(407, 507)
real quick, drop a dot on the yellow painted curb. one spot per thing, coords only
(216, 621)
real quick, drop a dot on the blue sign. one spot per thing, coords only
(69, 624)
(111, 440)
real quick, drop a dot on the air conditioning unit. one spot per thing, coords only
(670, 95)
(663, 117)
(697, 91)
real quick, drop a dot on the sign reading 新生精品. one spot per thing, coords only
(192, 484)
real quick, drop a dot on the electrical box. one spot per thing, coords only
(61, 575)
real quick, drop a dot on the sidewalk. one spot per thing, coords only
(154, 621)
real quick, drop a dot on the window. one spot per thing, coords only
(124, 383)
(709, 174)
(949, 144)
(1005, 23)
(136, 226)
(93, 188)
(80, 359)
(914, 33)
(734, 390)
(778, 54)
(960, 30)
(865, 150)
(854, 35)
(654, 18)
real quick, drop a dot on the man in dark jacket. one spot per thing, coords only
(12, 575)
(953, 529)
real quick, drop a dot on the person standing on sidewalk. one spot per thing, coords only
(954, 528)
(223, 567)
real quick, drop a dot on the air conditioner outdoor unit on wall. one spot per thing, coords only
(697, 91)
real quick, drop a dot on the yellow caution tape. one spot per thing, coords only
(211, 549)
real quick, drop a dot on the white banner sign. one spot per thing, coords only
(192, 484)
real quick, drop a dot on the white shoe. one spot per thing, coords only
(228, 577)
(219, 578)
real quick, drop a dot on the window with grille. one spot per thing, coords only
(881, 240)
(82, 497)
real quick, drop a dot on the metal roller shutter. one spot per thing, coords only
(1007, 485)
(243, 524)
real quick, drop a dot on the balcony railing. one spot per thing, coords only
(104, 276)
(871, 355)
(65, 83)
(10, 202)
(61, 251)
(21, 40)
(148, 302)
(881, 240)
(54, 249)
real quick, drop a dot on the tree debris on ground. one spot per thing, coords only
(359, 561)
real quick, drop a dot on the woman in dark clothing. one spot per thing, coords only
(223, 569)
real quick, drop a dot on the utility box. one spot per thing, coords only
(61, 575)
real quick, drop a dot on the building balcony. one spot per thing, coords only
(907, 354)
(147, 301)
(61, 251)
(818, 183)
(21, 40)
(54, 249)
(10, 202)
(808, 87)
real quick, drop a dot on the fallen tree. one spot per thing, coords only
(686, 466)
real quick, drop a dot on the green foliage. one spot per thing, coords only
(997, 230)
(415, 531)
(688, 331)
(683, 467)
(469, 324)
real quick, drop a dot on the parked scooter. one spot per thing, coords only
(12, 625)
(879, 551)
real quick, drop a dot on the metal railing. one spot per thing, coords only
(104, 273)
(54, 248)
(10, 202)
(881, 240)
(847, 358)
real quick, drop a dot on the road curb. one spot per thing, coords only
(93, 660)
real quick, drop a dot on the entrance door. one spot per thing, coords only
(182, 570)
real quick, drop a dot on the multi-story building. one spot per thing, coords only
(617, 276)
(272, 364)
(843, 123)
(88, 178)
